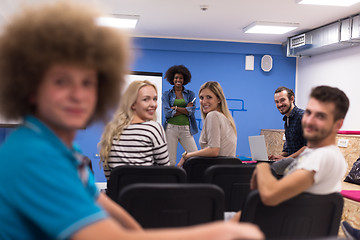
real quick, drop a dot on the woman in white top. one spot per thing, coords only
(218, 136)
(133, 137)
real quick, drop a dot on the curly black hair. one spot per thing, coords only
(181, 69)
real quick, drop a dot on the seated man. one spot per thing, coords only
(295, 142)
(60, 71)
(319, 169)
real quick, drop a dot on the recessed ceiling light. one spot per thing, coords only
(270, 27)
(118, 21)
(344, 3)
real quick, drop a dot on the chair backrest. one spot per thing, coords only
(159, 205)
(234, 180)
(195, 166)
(124, 175)
(304, 216)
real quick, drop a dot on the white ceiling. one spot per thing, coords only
(223, 20)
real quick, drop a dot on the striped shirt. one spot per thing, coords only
(140, 144)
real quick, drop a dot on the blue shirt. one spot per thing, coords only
(46, 191)
(293, 131)
(168, 99)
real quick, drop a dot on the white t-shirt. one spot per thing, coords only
(329, 166)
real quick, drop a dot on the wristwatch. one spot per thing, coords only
(184, 155)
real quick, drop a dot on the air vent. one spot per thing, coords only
(355, 30)
(297, 41)
(338, 35)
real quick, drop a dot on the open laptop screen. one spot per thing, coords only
(258, 148)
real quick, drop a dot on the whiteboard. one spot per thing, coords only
(153, 77)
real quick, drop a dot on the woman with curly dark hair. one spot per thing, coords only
(179, 109)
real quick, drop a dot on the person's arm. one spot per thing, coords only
(278, 157)
(118, 213)
(273, 191)
(206, 152)
(168, 111)
(282, 155)
(286, 155)
(190, 107)
(188, 110)
(109, 229)
(180, 111)
(159, 145)
(297, 153)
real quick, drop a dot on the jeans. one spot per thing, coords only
(176, 134)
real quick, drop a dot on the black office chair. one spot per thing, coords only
(159, 205)
(195, 166)
(124, 175)
(234, 180)
(304, 216)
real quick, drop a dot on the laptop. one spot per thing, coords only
(258, 148)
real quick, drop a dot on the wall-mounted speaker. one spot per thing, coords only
(266, 63)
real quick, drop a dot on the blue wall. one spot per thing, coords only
(213, 61)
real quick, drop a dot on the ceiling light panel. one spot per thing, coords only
(118, 21)
(270, 27)
(343, 3)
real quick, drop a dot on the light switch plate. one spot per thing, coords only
(249, 63)
(342, 142)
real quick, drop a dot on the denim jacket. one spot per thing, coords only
(168, 99)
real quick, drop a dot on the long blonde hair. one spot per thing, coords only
(215, 88)
(121, 119)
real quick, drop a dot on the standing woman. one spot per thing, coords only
(179, 109)
(218, 136)
(133, 137)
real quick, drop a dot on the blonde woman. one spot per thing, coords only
(218, 136)
(133, 137)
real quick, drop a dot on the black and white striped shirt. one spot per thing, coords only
(141, 144)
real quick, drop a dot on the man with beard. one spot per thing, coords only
(319, 169)
(295, 142)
